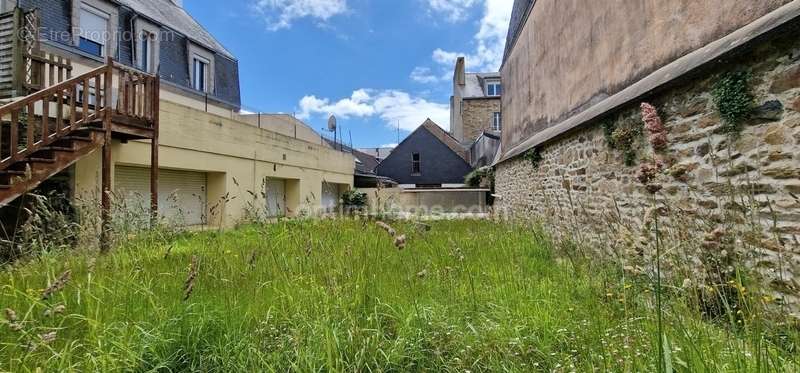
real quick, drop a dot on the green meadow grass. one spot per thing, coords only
(337, 295)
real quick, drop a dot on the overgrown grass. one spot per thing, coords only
(337, 295)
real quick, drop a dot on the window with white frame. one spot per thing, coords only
(494, 88)
(93, 31)
(147, 45)
(497, 121)
(200, 73)
(201, 68)
(147, 51)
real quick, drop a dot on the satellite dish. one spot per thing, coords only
(332, 123)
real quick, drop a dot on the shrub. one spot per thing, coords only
(476, 178)
(354, 199)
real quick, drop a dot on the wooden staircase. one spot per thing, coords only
(47, 131)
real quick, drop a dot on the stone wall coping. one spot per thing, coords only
(664, 76)
(444, 190)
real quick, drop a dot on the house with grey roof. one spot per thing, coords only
(428, 158)
(476, 119)
(136, 99)
(189, 60)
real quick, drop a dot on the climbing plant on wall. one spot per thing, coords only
(734, 100)
(534, 156)
(622, 134)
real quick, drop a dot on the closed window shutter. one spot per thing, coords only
(93, 27)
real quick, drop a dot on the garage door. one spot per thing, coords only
(181, 194)
(330, 196)
(276, 198)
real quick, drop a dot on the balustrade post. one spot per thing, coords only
(106, 165)
(154, 96)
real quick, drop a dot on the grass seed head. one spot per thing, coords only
(59, 309)
(57, 286)
(11, 316)
(252, 261)
(400, 242)
(48, 338)
(387, 228)
(188, 286)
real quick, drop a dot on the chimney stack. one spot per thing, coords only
(460, 73)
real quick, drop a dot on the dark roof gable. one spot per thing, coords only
(519, 14)
(446, 138)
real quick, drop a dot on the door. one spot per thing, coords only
(276, 198)
(182, 195)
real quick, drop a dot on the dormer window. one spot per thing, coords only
(94, 27)
(147, 46)
(146, 51)
(93, 31)
(494, 88)
(200, 73)
(201, 69)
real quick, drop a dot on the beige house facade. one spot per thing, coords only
(216, 165)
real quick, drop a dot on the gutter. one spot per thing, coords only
(676, 71)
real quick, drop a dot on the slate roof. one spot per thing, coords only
(366, 163)
(519, 13)
(445, 138)
(166, 13)
(381, 153)
(473, 84)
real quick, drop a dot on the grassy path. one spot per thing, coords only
(338, 296)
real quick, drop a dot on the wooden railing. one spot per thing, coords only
(39, 119)
(45, 70)
(136, 92)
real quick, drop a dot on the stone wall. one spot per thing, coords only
(719, 199)
(477, 116)
(609, 46)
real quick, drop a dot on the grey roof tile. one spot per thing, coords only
(170, 15)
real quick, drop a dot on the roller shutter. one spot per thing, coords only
(181, 194)
(276, 198)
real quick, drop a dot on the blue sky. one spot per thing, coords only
(372, 63)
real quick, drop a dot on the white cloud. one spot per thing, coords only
(453, 10)
(445, 58)
(393, 107)
(490, 39)
(279, 14)
(392, 145)
(424, 75)
(357, 105)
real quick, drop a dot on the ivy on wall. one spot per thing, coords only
(534, 156)
(734, 100)
(623, 137)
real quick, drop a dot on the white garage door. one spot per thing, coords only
(276, 198)
(330, 196)
(181, 194)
